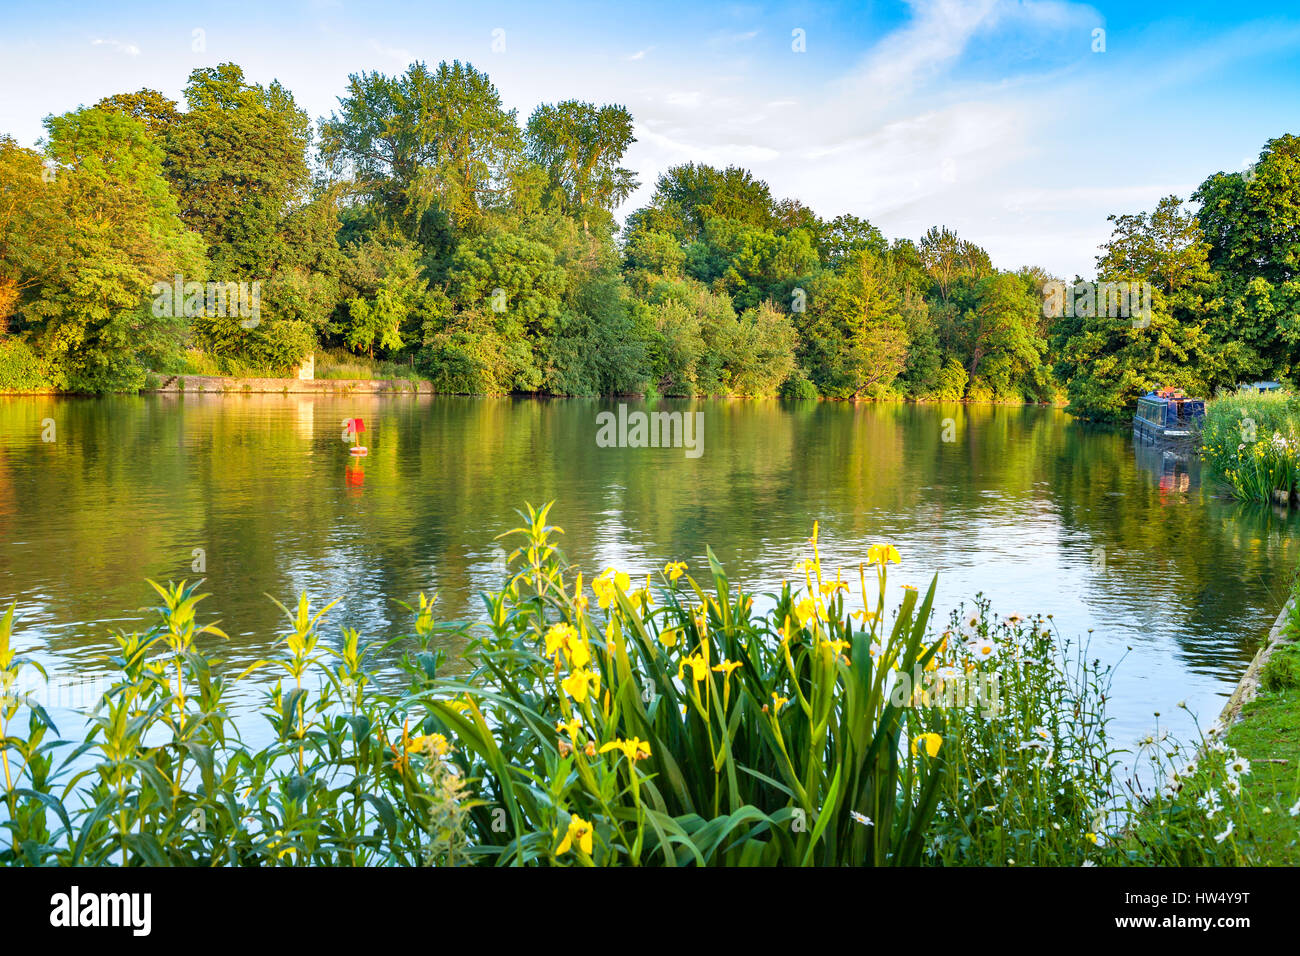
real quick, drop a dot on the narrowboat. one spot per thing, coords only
(1167, 415)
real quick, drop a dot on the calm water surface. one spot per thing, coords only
(1038, 512)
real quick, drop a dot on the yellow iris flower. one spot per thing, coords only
(565, 637)
(581, 683)
(570, 727)
(580, 832)
(674, 570)
(634, 749)
(806, 610)
(606, 585)
(726, 667)
(883, 554)
(698, 665)
(931, 742)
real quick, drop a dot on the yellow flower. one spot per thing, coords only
(837, 647)
(606, 584)
(669, 638)
(726, 667)
(778, 701)
(565, 637)
(435, 744)
(674, 570)
(462, 704)
(837, 586)
(932, 743)
(634, 749)
(570, 727)
(698, 665)
(806, 610)
(580, 832)
(882, 554)
(580, 683)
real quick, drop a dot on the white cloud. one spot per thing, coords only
(130, 49)
(398, 54)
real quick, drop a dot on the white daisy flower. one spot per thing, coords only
(1220, 837)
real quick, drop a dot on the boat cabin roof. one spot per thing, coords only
(1155, 399)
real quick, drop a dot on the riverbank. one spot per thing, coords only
(224, 385)
(1236, 801)
(175, 384)
(1263, 726)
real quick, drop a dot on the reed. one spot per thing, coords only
(1252, 441)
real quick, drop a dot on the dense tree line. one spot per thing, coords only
(424, 223)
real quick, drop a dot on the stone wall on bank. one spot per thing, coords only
(208, 384)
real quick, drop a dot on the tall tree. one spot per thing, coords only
(427, 142)
(1251, 221)
(118, 234)
(157, 112)
(1109, 359)
(687, 196)
(854, 337)
(581, 146)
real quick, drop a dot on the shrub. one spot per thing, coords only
(798, 387)
(20, 371)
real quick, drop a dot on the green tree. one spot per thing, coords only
(580, 145)
(749, 263)
(117, 233)
(426, 144)
(854, 338)
(1109, 360)
(383, 315)
(1251, 221)
(157, 112)
(687, 196)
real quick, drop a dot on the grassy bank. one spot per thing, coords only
(1234, 797)
(600, 721)
(1268, 735)
(1252, 441)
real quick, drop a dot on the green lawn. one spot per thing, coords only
(1269, 737)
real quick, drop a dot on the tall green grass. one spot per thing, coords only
(341, 364)
(1252, 441)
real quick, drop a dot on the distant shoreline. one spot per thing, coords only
(226, 385)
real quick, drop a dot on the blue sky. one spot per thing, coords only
(994, 117)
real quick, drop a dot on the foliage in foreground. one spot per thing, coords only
(610, 726)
